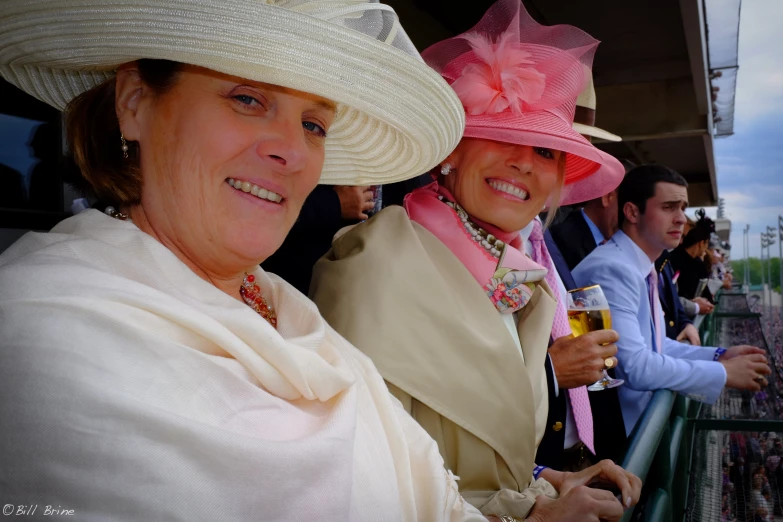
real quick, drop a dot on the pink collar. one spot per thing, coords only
(507, 277)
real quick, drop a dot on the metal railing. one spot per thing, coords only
(661, 447)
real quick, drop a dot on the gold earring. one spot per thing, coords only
(124, 146)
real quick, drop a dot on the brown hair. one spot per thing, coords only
(93, 134)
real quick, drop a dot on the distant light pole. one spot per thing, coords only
(771, 237)
(780, 252)
(746, 248)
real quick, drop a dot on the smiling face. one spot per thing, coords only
(502, 184)
(226, 163)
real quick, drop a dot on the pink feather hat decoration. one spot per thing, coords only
(518, 82)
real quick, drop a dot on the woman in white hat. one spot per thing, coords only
(149, 370)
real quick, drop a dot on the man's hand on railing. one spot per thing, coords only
(690, 334)
(746, 372)
(742, 349)
(578, 361)
(705, 307)
(580, 503)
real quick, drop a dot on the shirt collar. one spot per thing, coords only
(643, 263)
(597, 235)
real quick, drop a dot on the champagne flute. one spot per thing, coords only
(588, 311)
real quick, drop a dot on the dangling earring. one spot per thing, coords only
(445, 170)
(124, 146)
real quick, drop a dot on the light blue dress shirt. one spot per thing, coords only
(597, 235)
(621, 268)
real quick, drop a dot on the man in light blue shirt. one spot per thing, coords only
(652, 203)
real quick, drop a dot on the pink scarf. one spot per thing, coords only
(507, 280)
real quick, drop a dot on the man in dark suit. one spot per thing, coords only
(608, 428)
(609, 438)
(585, 228)
(678, 326)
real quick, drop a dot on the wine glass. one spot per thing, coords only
(588, 311)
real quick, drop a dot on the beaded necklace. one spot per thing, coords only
(250, 292)
(486, 240)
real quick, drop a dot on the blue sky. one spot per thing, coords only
(750, 163)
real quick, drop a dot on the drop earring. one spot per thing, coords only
(124, 146)
(446, 169)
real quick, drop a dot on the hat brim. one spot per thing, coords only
(396, 117)
(590, 172)
(595, 132)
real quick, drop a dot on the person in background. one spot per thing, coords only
(688, 258)
(653, 200)
(678, 325)
(325, 211)
(560, 447)
(586, 228)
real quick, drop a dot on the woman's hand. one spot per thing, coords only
(579, 503)
(605, 473)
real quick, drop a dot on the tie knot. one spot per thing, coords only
(537, 234)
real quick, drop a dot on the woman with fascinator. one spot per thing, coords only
(149, 369)
(442, 294)
(688, 258)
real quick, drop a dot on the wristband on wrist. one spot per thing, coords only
(537, 471)
(718, 353)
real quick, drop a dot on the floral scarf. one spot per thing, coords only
(508, 278)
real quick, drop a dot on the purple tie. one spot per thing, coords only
(655, 308)
(580, 401)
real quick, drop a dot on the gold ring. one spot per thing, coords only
(609, 362)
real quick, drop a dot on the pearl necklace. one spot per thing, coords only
(486, 240)
(250, 292)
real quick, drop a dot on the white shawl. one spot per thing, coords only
(131, 389)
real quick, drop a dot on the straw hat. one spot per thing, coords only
(396, 118)
(584, 118)
(519, 82)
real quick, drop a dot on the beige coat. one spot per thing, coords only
(399, 295)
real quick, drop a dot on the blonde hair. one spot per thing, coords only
(554, 198)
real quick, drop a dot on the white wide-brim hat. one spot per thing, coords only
(396, 117)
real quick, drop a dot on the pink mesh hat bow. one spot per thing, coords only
(519, 81)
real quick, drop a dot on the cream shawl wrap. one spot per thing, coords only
(401, 296)
(131, 389)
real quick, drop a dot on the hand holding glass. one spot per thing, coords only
(588, 311)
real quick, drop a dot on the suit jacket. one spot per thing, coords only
(621, 268)
(402, 297)
(574, 238)
(608, 429)
(673, 312)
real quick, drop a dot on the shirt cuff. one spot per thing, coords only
(554, 377)
(538, 470)
(697, 307)
(718, 353)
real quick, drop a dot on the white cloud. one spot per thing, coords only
(760, 76)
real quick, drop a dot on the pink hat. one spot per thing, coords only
(519, 81)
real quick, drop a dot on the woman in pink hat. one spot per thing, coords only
(441, 294)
